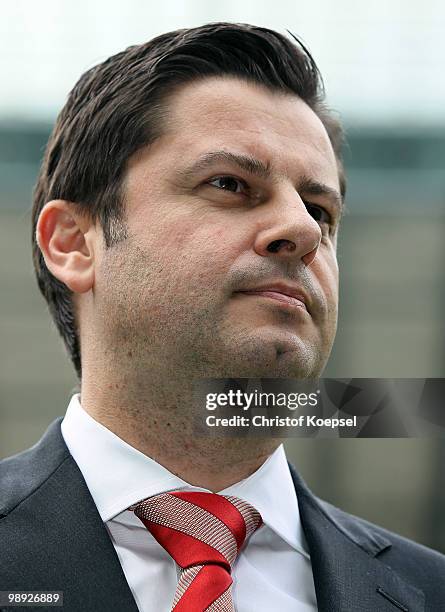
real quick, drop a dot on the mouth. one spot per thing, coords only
(284, 295)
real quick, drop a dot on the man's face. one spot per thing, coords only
(230, 210)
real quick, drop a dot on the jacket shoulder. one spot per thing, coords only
(22, 474)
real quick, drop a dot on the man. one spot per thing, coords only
(185, 226)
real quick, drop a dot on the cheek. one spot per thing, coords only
(325, 269)
(180, 230)
(194, 255)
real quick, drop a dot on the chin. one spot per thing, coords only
(294, 364)
(270, 357)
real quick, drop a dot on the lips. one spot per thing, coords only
(281, 297)
(283, 293)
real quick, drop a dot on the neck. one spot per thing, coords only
(155, 423)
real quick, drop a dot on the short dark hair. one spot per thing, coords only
(117, 107)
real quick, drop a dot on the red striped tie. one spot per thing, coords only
(203, 532)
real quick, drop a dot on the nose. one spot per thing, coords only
(289, 232)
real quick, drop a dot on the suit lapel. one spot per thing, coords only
(347, 574)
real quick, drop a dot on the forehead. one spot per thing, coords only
(232, 114)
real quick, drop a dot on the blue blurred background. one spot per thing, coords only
(383, 65)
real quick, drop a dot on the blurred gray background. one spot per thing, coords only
(383, 65)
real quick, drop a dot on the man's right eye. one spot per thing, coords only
(228, 183)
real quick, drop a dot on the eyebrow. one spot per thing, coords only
(256, 167)
(246, 162)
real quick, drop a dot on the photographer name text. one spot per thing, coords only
(264, 421)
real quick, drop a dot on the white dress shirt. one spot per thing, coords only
(272, 572)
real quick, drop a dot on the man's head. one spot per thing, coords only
(182, 174)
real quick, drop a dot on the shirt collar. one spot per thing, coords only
(118, 475)
(270, 489)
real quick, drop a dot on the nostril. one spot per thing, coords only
(276, 245)
(309, 257)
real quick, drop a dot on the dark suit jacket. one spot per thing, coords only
(52, 538)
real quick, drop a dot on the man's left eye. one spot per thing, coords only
(228, 183)
(319, 213)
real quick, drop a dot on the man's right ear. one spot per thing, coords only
(67, 241)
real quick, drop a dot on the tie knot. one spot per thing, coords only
(198, 528)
